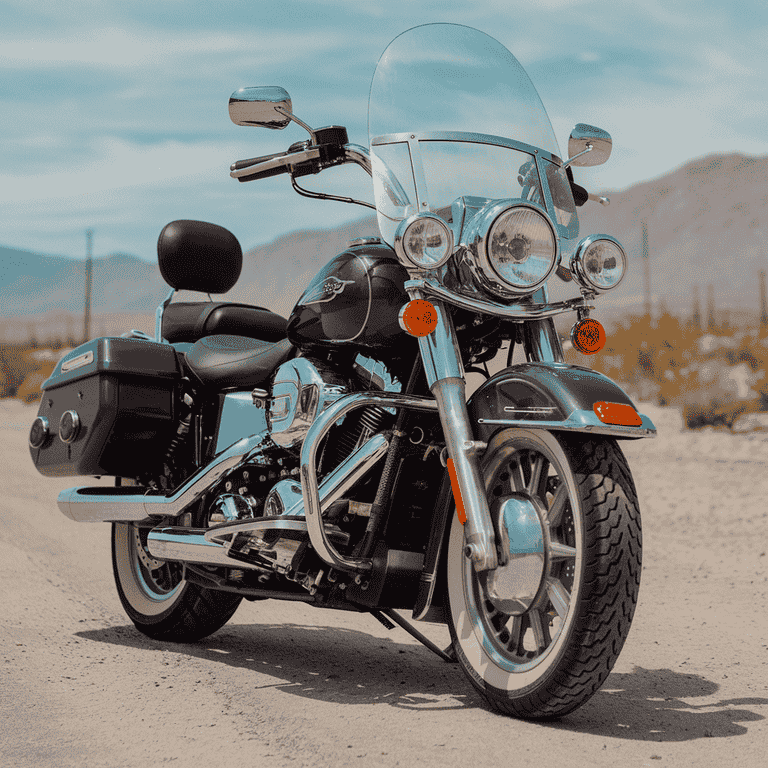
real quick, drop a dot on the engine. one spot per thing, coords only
(301, 390)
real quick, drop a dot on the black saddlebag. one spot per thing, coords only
(108, 408)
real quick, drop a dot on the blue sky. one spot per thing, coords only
(113, 115)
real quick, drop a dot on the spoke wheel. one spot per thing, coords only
(154, 594)
(550, 653)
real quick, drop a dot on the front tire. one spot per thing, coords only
(546, 661)
(157, 599)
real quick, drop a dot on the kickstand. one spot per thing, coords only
(385, 614)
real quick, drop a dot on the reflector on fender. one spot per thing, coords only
(588, 336)
(461, 513)
(617, 413)
(418, 317)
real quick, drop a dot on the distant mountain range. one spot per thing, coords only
(707, 224)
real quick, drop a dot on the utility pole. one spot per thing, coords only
(711, 324)
(88, 281)
(696, 310)
(647, 276)
(763, 304)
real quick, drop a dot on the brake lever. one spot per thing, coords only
(240, 164)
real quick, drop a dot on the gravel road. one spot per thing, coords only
(290, 685)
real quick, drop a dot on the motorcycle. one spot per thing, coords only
(335, 458)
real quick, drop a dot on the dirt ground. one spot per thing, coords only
(290, 685)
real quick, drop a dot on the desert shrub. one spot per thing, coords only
(713, 378)
(18, 364)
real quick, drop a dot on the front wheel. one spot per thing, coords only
(538, 636)
(157, 599)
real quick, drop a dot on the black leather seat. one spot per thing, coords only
(224, 361)
(190, 321)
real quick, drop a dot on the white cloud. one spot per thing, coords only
(130, 48)
(116, 162)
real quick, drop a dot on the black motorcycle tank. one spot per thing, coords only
(353, 302)
(107, 409)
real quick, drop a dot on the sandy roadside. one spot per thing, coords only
(293, 685)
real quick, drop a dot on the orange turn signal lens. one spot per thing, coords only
(617, 413)
(418, 317)
(588, 336)
(461, 513)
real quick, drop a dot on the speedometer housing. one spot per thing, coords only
(511, 247)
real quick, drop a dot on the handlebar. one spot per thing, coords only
(328, 147)
(274, 165)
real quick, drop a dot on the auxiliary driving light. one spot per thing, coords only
(599, 263)
(424, 241)
(588, 336)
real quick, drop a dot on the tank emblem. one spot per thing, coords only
(328, 290)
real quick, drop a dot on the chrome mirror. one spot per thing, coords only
(591, 145)
(267, 106)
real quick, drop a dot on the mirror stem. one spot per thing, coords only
(295, 119)
(589, 148)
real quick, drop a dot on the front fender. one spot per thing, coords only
(551, 396)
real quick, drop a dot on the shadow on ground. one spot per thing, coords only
(340, 665)
(660, 705)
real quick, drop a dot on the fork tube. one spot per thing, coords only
(445, 377)
(542, 344)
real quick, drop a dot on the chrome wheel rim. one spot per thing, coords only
(521, 642)
(158, 579)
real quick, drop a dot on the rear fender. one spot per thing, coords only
(555, 397)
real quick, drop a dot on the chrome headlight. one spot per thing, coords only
(599, 263)
(424, 241)
(515, 247)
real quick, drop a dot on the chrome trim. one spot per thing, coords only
(159, 316)
(577, 263)
(309, 485)
(440, 353)
(46, 431)
(77, 362)
(542, 344)
(580, 421)
(331, 489)
(75, 427)
(258, 105)
(445, 377)
(83, 506)
(402, 230)
(239, 415)
(432, 289)
(191, 546)
(464, 450)
(354, 153)
(469, 138)
(591, 141)
(475, 242)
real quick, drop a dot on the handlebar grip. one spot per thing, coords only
(271, 165)
(241, 164)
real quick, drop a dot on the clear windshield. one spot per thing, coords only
(452, 113)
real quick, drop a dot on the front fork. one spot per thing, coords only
(445, 377)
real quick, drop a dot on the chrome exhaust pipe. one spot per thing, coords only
(125, 504)
(209, 546)
(191, 546)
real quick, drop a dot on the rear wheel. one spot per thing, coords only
(539, 636)
(157, 599)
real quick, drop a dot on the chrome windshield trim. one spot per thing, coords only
(510, 311)
(470, 138)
